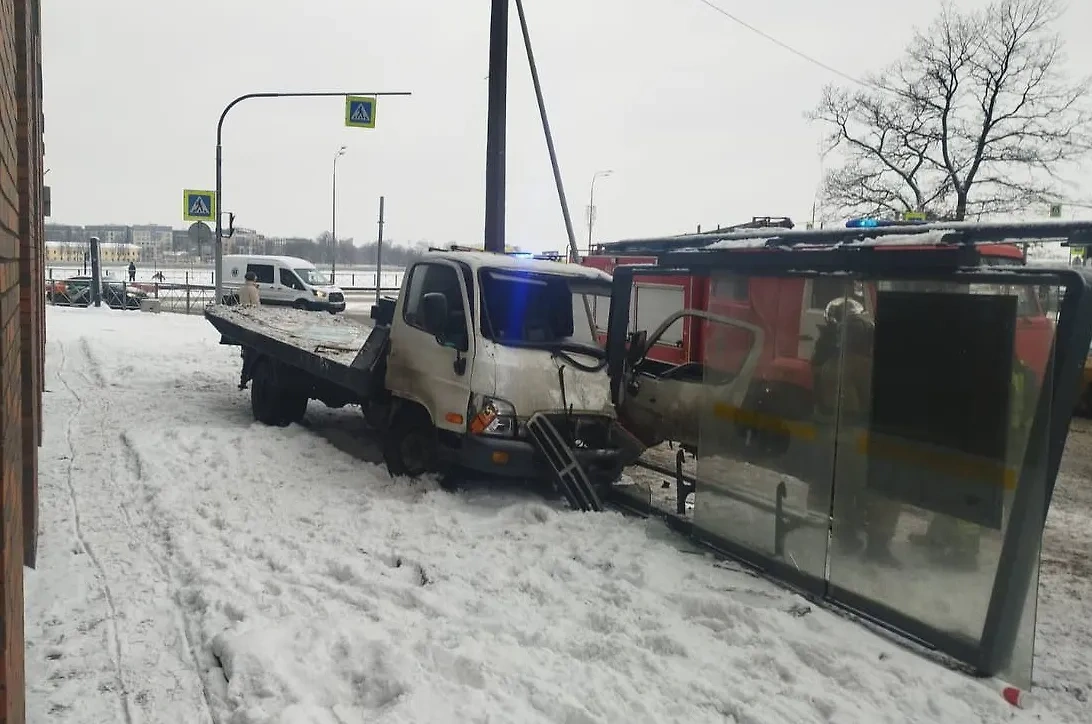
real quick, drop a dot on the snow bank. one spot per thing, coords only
(199, 567)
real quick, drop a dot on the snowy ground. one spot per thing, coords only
(197, 567)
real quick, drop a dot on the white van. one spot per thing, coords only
(285, 281)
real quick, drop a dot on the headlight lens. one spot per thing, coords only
(492, 416)
(319, 293)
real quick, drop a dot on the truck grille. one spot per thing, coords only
(337, 297)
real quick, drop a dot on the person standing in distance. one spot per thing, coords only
(248, 293)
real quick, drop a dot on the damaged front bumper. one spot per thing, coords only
(600, 445)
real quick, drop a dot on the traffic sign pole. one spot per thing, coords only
(219, 253)
(379, 254)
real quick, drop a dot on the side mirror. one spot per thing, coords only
(434, 315)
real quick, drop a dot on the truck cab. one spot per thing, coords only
(481, 342)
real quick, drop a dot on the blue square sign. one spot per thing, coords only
(198, 205)
(360, 112)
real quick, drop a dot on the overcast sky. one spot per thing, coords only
(701, 120)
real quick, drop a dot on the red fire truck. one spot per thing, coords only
(790, 312)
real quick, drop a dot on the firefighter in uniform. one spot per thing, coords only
(842, 369)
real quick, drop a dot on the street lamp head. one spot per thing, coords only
(341, 151)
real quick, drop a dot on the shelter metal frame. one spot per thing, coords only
(860, 254)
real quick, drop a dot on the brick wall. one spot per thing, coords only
(31, 254)
(22, 328)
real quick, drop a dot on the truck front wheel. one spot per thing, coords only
(409, 444)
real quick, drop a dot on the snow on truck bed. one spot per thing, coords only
(195, 566)
(336, 337)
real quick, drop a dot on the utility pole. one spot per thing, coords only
(379, 254)
(495, 128)
(333, 218)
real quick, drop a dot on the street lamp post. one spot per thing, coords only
(219, 252)
(333, 218)
(591, 204)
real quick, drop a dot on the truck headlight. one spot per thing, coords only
(319, 293)
(492, 416)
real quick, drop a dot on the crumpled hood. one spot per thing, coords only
(528, 378)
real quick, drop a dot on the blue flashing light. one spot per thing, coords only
(870, 223)
(865, 223)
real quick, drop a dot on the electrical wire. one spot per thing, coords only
(800, 54)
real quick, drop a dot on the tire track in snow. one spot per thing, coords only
(135, 466)
(108, 594)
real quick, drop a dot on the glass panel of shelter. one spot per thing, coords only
(933, 428)
(879, 461)
(765, 459)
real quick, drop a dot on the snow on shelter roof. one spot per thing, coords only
(941, 233)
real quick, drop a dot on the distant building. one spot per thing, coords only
(73, 252)
(245, 241)
(154, 240)
(65, 252)
(65, 232)
(124, 253)
(110, 233)
(274, 244)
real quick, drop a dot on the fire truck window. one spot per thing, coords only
(601, 307)
(731, 287)
(655, 304)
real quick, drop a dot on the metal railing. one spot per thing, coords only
(184, 297)
(358, 281)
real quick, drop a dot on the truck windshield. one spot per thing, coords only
(312, 277)
(542, 310)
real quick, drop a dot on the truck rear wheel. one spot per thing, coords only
(271, 403)
(409, 443)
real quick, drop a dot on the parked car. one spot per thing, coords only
(76, 292)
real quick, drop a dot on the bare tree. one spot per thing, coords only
(978, 117)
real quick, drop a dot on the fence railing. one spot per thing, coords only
(183, 297)
(348, 280)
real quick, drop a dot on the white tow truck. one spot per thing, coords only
(484, 364)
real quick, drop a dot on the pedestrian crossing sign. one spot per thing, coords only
(198, 205)
(359, 112)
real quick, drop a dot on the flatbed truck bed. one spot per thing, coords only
(341, 352)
